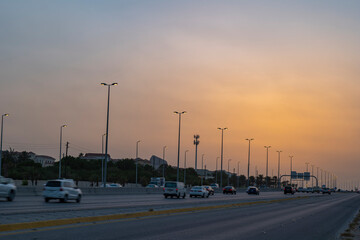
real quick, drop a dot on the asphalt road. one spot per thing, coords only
(317, 217)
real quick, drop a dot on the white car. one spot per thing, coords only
(199, 191)
(62, 189)
(7, 188)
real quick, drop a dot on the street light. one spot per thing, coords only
(291, 157)
(222, 153)
(229, 171)
(238, 170)
(164, 161)
(185, 168)
(248, 171)
(137, 156)
(202, 168)
(178, 157)
(196, 143)
(107, 130)
(279, 167)
(2, 123)
(63, 126)
(103, 157)
(267, 163)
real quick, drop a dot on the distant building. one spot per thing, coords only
(143, 162)
(156, 162)
(95, 156)
(45, 161)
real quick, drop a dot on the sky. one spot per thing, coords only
(282, 72)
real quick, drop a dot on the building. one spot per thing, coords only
(156, 162)
(95, 156)
(45, 161)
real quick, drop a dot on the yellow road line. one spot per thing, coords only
(67, 221)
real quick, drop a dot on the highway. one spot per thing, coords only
(314, 217)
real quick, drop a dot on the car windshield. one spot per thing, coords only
(170, 185)
(53, 184)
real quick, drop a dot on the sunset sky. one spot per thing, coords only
(285, 73)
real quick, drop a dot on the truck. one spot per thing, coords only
(160, 181)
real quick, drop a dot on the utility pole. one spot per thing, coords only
(217, 169)
(312, 174)
(196, 143)
(307, 166)
(291, 158)
(267, 164)
(67, 148)
(248, 170)
(278, 177)
(222, 154)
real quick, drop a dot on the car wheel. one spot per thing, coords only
(191, 196)
(165, 196)
(178, 196)
(65, 198)
(203, 196)
(208, 195)
(78, 199)
(184, 195)
(235, 193)
(47, 199)
(11, 196)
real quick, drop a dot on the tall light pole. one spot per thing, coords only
(196, 143)
(307, 170)
(229, 171)
(267, 164)
(248, 171)
(312, 174)
(317, 176)
(60, 149)
(238, 171)
(178, 157)
(2, 123)
(103, 157)
(217, 169)
(278, 168)
(164, 161)
(222, 154)
(321, 171)
(202, 168)
(185, 168)
(291, 158)
(137, 157)
(107, 130)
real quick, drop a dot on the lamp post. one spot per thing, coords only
(107, 130)
(222, 154)
(278, 177)
(178, 157)
(238, 171)
(321, 182)
(229, 171)
(1, 142)
(60, 149)
(137, 156)
(103, 157)
(291, 158)
(164, 161)
(185, 168)
(248, 171)
(317, 175)
(196, 143)
(202, 168)
(217, 169)
(312, 174)
(267, 164)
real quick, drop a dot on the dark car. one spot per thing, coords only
(229, 190)
(210, 190)
(253, 190)
(289, 189)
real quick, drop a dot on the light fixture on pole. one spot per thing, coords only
(267, 164)
(137, 157)
(107, 130)
(1, 142)
(222, 154)
(248, 170)
(63, 126)
(178, 157)
(229, 171)
(216, 172)
(102, 158)
(202, 168)
(238, 173)
(164, 161)
(185, 168)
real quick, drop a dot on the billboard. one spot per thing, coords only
(293, 175)
(306, 176)
(300, 175)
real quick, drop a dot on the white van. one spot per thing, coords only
(174, 189)
(62, 189)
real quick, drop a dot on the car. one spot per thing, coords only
(152, 186)
(114, 185)
(309, 190)
(210, 190)
(199, 191)
(7, 188)
(289, 189)
(174, 189)
(214, 185)
(61, 189)
(326, 190)
(229, 189)
(316, 190)
(253, 190)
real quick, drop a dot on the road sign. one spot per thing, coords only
(300, 175)
(306, 176)
(293, 175)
